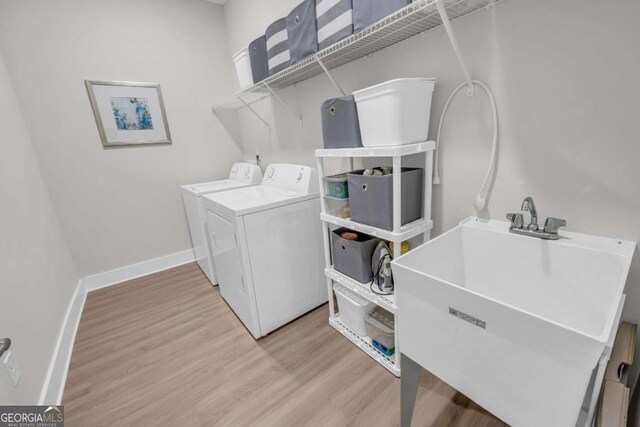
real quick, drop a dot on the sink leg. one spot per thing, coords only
(408, 389)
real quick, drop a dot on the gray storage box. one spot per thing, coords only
(303, 33)
(367, 12)
(259, 59)
(371, 198)
(278, 46)
(353, 258)
(340, 125)
(334, 21)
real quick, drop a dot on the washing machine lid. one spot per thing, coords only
(213, 186)
(257, 198)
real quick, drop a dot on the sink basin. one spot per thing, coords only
(516, 323)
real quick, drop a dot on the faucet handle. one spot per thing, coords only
(551, 225)
(517, 220)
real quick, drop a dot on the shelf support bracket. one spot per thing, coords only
(255, 113)
(326, 71)
(454, 43)
(282, 101)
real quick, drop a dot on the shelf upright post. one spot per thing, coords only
(454, 43)
(428, 185)
(325, 236)
(428, 193)
(397, 245)
(282, 101)
(320, 165)
(397, 201)
(396, 339)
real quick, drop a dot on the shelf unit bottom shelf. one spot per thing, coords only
(385, 301)
(389, 362)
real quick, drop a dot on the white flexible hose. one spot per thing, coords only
(481, 198)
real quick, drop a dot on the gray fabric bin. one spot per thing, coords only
(340, 125)
(277, 38)
(334, 21)
(371, 198)
(367, 12)
(259, 59)
(353, 258)
(303, 33)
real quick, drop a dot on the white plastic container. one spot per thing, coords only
(242, 60)
(380, 328)
(395, 112)
(353, 309)
(337, 186)
(337, 207)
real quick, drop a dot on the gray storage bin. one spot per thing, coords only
(367, 12)
(353, 258)
(334, 21)
(340, 125)
(277, 38)
(371, 198)
(259, 60)
(303, 33)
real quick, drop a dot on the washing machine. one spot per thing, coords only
(266, 245)
(241, 175)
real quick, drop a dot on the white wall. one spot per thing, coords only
(564, 74)
(37, 272)
(120, 206)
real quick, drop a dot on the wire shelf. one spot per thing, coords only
(418, 17)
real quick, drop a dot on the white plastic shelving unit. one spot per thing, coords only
(418, 17)
(399, 234)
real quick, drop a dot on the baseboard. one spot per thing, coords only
(119, 275)
(53, 387)
(59, 367)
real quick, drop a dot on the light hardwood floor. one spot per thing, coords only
(166, 350)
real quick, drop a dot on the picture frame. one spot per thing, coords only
(128, 113)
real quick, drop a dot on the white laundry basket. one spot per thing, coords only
(242, 60)
(353, 309)
(395, 112)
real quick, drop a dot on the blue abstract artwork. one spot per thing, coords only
(131, 113)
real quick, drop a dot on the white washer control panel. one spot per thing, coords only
(246, 172)
(297, 178)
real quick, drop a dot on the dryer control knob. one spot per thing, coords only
(299, 176)
(270, 173)
(246, 172)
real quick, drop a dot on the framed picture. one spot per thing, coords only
(128, 114)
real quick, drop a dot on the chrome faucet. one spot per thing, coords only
(551, 225)
(528, 205)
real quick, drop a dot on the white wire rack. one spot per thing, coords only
(418, 17)
(421, 229)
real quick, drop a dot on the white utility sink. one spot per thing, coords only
(516, 323)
